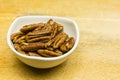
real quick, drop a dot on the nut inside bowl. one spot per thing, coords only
(70, 27)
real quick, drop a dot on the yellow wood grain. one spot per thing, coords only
(97, 56)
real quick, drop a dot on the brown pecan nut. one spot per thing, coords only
(33, 54)
(31, 27)
(50, 48)
(17, 47)
(15, 36)
(21, 39)
(54, 30)
(38, 29)
(38, 34)
(67, 45)
(48, 53)
(57, 41)
(32, 46)
(60, 27)
(50, 22)
(40, 39)
(47, 27)
(60, 39)
(58, 51)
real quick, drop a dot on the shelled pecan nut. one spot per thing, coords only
(58, 51)
(59, 40)
(17, 47)
(50, 22)
(38, 34)
(67, 45)
(50, 48)
(33, 46)
(47, 27)
(33, 54)
(60, 27)
(48, 53)
(40, 39)
(54, 30)
(15, 36)
(21, 39)
(27, 28)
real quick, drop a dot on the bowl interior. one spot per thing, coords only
(70, 27)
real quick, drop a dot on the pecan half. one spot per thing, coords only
(48, 53)
(21, 39)
(50, 22)
(54, 30)
(38, 34)
(39, 28)
(50, 48)
(67, 45)
(59, 40)
(40, 39)
(27, 28)
(60, 27)
(17, 47)
(47, 27)
(58, 51)
(33, 46)
(33, 54)
(15, 36)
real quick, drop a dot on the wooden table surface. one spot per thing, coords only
(97, 56)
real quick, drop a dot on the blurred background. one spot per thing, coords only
(70, 8)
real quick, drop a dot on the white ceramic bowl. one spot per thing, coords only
(70, 27)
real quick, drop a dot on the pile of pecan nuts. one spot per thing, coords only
(42, 39)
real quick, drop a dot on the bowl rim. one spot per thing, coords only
(43, 58)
